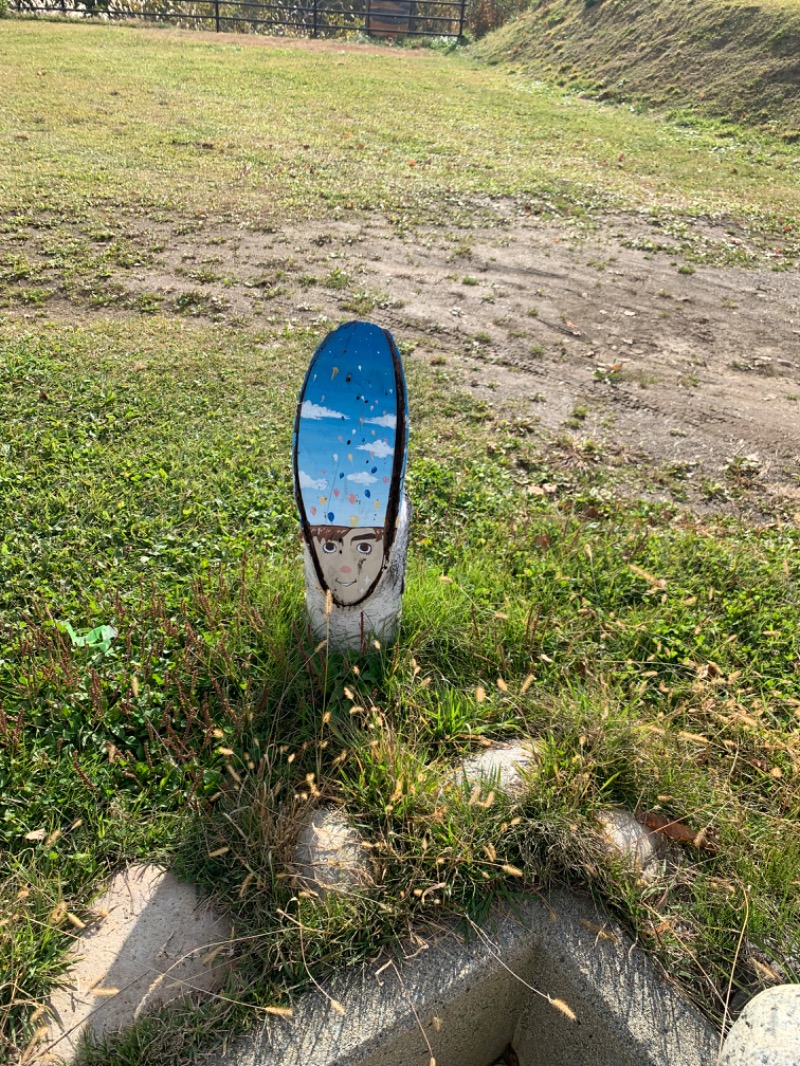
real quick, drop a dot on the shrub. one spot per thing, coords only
(483, 16)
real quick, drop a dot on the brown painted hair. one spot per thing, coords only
(323, 533)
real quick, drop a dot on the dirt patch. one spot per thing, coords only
(691, 373)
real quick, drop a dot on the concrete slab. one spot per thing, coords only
(153, 942)
(555, 979)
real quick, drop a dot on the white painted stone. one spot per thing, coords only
(623, 837)
(503, 766)
(152, 943)
(329, 856)
(378, 617)
(767, 1032)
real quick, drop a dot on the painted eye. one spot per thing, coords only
(364, 549)
(329, 547)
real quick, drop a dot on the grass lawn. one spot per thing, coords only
(650, 653)
(214, 126)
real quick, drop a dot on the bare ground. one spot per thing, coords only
(689, 375)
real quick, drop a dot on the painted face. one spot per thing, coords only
(350, 559)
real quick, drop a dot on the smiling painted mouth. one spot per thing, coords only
(346, 584)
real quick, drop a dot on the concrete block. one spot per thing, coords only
(464, 1001)
(767, 1032)
(153, 943)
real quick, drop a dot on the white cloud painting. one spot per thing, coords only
(315, 411)
(307, 482)
(387, 421)
(378, 448)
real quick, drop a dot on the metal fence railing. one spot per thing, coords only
(314, 18)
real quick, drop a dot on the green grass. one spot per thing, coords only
(144, 483)
(112, 157)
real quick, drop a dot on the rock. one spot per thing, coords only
(153, 943)
(623, 837)
(329, 855)
(503, 767)
(767, 1032)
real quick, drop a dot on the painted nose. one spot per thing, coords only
(346, 569)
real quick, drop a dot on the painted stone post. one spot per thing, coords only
(349, 458)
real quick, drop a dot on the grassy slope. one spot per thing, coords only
(734, 59)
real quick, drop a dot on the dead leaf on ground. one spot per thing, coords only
(676, 830)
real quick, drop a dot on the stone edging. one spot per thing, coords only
(597, 1001)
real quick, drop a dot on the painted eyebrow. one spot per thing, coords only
(363, 536)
